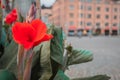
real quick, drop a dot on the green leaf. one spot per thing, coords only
(97, 77)
(21, 18)
(45, 61)
(61, 76)
(6, 75)
(3, 38)
(56, 46)
(79, 56)
(9, 59)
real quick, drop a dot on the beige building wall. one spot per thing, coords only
(86, 13)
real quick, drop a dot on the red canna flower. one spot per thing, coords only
(30, 34)
(11, 17)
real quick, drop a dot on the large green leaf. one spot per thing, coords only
(56, 46)
(9, 59)
(45, 61)
(61, 76)
(3, 38)
(97, 77)
(79, 56)
(6, 75)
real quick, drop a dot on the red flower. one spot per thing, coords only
(11, 17)
(30, 34)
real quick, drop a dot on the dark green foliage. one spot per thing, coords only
(6, 75)
(79, 56)
(55, 68)
(8, 60)
(21, 18)
(36, 67)
(56, 46)
(61, 76)
(97, 77)
(1, 50)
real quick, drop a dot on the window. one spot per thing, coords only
(71, 0)
(81, 7)
(115, 17)
(107, 17)
(107, 9)
(71, 23)
(81, 23)
(71, 15)
(89, 16)
(98, 1)
(89, 8)
(81, 15)
(98, 8)
(71, 7)
(89, 24)
(106, 2)
(98, 16)
(89, 1)
(115, 9)
(106, 24)
(114, 24)
(82, 0)
(98, 24)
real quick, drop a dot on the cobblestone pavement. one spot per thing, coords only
(106, 51)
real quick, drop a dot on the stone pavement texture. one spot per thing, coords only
(106, 51)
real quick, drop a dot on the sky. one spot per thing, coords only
(47, 2)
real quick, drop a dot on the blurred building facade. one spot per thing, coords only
(103, 15)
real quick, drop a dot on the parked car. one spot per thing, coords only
(71, 33)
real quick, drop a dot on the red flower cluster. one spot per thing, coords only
(30, 34)
(11, 17)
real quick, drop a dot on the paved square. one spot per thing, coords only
(106, 51)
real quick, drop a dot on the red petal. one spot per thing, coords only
(40, 28)
(45, 38)
(11, 17)
(23, 33)
(14, 11)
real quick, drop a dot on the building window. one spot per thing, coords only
(114, 24)
(81, 15)
(98, 16)
(71, 0)
(106, 16)
(71, 7)
(81, 23)
(89, 1)
(106, 2)
(89, 24)
(82, 0)
(89, 16)
(106, 24)
(81, 7)
(89, 8)
(98, 1)
(115, 9)
(71, 23)
(71, 15)
(107, 9)
(115, 17)
(98, 24)
(98, 8)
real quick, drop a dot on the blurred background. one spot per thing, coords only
(92, 25)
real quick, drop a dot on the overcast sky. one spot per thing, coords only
(47, 2)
